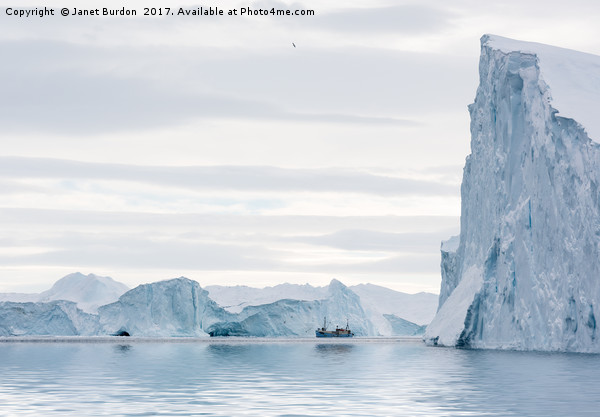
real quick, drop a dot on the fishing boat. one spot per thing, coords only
(338, 332)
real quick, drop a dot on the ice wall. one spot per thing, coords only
(175, 308)
(526, 271)
(61, 318)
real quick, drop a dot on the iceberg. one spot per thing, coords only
(181, 308)
(300, 318)
(171, 308)
(55, 318)
(524, 272)
(375, 313)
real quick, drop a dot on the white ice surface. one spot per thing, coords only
(573, 78)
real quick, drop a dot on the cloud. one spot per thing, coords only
(86, 89)
(241, 178)
(138, 251)
(174, 242)
(152, 250)
(405, 264)
(22, 218)
(370, 240)
(413, 19)
(74, 103)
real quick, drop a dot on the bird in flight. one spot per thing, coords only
(294, 44)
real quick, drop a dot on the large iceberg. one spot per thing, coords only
(525, 271)
(173, 308)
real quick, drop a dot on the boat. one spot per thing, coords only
(338, 332)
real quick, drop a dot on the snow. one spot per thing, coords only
(524, 272)
(573, 78)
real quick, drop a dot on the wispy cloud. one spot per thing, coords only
(370, 240)
(87, 89)
(193, 225)
(241, 178)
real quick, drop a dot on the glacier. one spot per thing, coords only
(525, 271)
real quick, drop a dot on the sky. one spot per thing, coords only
(246, 150)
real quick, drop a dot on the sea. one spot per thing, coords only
(292, 377)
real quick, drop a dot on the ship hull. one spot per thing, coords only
(320, 333)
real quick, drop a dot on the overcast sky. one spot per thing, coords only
(153, 147)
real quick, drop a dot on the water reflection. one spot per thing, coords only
(274, 379)
(122, 349)
(224, 349)
(333, 348)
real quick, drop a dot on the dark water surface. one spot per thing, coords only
(309, 378)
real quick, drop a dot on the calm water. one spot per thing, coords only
(357, 378)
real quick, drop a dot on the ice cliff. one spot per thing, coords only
(61, 318)
(174, 308)
(525, 271)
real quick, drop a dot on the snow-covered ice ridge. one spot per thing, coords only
(181, 308)
(525, 271)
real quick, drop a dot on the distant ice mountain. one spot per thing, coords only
(418, 308)
(18, 297)
(524, 272)
(87, 291)
(234, 299)
(289, 317)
